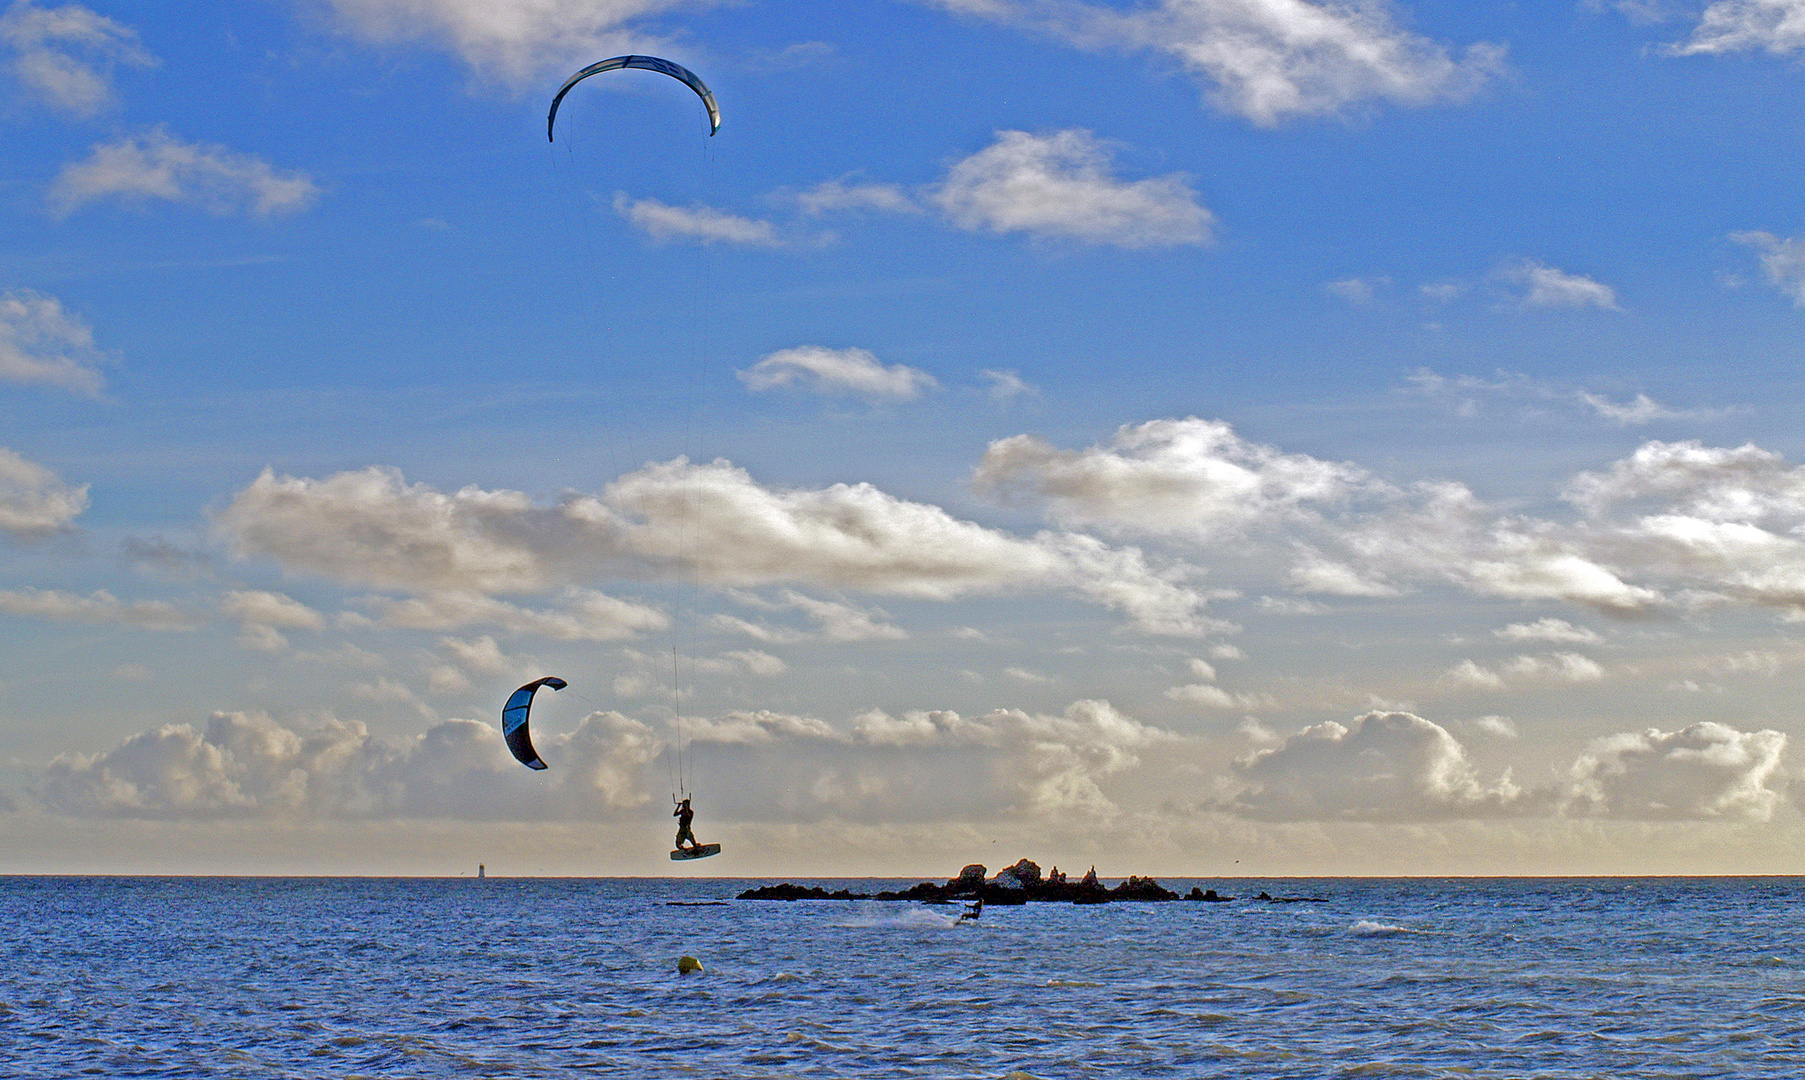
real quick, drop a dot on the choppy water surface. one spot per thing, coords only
(127, 977)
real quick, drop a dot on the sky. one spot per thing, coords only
(1186, 437)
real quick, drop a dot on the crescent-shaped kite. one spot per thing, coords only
(513, 721)
(649, 63)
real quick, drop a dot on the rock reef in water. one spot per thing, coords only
(1012, 885)
(787, 891)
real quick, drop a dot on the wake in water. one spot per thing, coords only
(914, 918)
(1370, 928)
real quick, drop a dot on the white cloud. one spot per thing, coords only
(1782, 260)
(835, 195)
(845, 622)
(743, 662)
(260, 613)
(34, 501)
(1211, 696)
(1466, 390)
(1167, 477)
(1496, 726)
(1717, 484)
(1640, 410)
(157, 165)
(1547, 287)
(270, 609)
(1440, 530)
(1356, 291)
(583, 615)
(480, 654)
(1707, 770)
(1046, 764)
(1561, 666)
(835, 371)
(834, 621)
(1773, 26)
(42, 344)
(704, 223)
(1268, 60)
(1384, 766)
(1060, 186)
(1314, 572)
(249, 765)
(711, 524)
(98, 606)
(65, 55)
(516, 41)
(1469, 673)
(1557, 630)
(1006, 386)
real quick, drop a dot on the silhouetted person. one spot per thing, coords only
(684, 816)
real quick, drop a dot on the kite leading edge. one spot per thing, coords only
(648, 63)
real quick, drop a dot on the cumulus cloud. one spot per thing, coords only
(41, 344)
(1195, 480)
(1705, 771)
(1726, 26)
(159, 166)
(1717, 484)
(923, 765)
(513, 42)
(705, 224)
(34, 501)
(1673, 523)
(1546, 287)
(64, 56)
(837, 371)
(1268, 60)
(707, 523)
(1061, 186)
(1167, 477)
(98, 606)
(1044, 764)
(248, 765)
(1383, 766)
(1782, 260)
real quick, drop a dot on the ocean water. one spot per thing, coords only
(340, 978)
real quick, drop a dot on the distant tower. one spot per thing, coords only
(480, 873)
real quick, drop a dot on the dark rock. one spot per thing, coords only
(787, 891)
(972, 877)
(1025, 871)
(1142, 888)
(1207, 896)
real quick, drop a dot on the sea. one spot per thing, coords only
(366, 977)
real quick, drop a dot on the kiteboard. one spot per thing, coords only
(703, 852)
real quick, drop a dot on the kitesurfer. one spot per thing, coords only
(684, 816)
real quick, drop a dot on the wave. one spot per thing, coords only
(1372, 928)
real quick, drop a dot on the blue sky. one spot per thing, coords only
(1196, 435)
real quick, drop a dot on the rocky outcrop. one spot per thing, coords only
(1010, 886)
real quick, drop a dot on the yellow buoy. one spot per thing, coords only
(688, 964)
